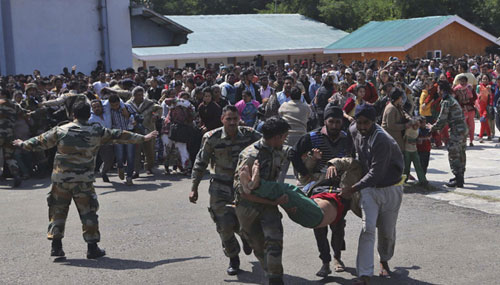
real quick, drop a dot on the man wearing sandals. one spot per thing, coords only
(327, 143)
(381, 191)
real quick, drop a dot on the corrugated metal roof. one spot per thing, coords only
(224, 35)
(389, 34)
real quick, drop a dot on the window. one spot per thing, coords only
(231, 60)
(191, 64)
(432, 54)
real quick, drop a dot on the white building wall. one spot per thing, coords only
(200, 61)
(120, 37)
(51, 34)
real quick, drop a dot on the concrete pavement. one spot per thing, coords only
(153, 235)
(482, 177)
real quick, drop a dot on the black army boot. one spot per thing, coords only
(457, 182)
(57, 249)
(276, 281)
(460, 181)
(93, 251)
(234, 265)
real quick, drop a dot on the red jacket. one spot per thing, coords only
(371, 93)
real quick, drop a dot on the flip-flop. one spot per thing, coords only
(385, 271)
(338, 265)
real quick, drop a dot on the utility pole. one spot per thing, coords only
(275, 6)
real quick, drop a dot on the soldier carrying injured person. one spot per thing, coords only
(318, 204)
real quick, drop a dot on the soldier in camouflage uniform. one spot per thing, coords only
(32, 103)
(453, 115)
(68, 100)
(39, 124)
(73, 176)
(222, 146)
(259, 218)
(8, 115)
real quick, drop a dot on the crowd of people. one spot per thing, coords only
(386, 114)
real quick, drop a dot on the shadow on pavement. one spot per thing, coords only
(339, 280)
(123, 264)
(479, 187)
(256, 276)
(478, 146)
(29, 184)
(436, 171)
(401, 275)
(121, 187)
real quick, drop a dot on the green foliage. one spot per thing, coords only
(206, 7)
(307, 8)
(346, 15)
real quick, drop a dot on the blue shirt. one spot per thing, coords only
(282, 98)
(105, 120)
(313, 88)
(229, 92)
(249, 114)
(98, 119)
(251, 89)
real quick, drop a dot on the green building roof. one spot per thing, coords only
(397, 35)
(245, 35)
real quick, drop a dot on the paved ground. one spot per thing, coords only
(153, 235)
(482, 186)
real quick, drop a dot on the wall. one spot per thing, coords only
(120, 39)
(148, 33)
(44, 35)
(347, 58)
(51, 34)
(269, 59)
(454, 39)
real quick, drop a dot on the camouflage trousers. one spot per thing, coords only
(148, 148)
(59, 199)
(222, 213)
(456, 154)
(261, 226)
(7, 149)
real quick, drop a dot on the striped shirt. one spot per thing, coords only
(341, 147)
(118, 121)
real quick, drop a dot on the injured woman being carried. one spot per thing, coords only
(316, 205)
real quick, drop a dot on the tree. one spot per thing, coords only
(350, 15)
(307, 8)
(347, 15)
(206, 7)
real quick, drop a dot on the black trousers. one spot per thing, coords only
(337, 241)
(105, 158)
(424, 160)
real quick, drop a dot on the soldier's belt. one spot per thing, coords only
(223, 182)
